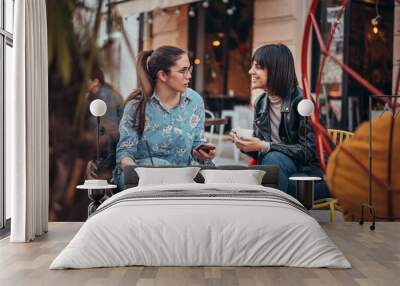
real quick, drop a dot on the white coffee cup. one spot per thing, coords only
(242, 132)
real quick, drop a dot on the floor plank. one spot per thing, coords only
(374, 255)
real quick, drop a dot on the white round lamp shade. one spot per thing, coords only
(305, 107)
(98, 107)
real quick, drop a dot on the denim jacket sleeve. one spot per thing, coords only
(128, 137)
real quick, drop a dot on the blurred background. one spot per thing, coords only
(220, 36)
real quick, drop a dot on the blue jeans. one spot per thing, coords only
(286, 168)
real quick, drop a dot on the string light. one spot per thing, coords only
(149, 18)
(231, 10)
(192, 13)
(216, 43)
(375, 30)
(206, 4)
(165, 12)
(196, 61)
(375, 21)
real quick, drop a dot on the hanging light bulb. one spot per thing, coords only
(375, 24)
(177, 11)
(225, 1)
(192, 13)
(231, 11)
(216, 43)
(206, 4)
(149, 18)
(375, 21)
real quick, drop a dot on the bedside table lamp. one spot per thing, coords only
(305, 109)
(98, 108)
(305, 184)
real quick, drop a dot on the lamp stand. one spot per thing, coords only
(369, 205)
(98, 140)
(305, 168)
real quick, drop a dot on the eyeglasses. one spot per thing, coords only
(185, 71)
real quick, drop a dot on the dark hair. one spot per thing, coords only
(148, 64)
(278, 61)
(97, 73)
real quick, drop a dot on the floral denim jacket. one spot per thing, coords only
(171, 135)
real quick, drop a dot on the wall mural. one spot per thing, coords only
(347, 179)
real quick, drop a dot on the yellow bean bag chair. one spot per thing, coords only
(347, 169)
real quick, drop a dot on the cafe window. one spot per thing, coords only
(221, 51)
(365, 47)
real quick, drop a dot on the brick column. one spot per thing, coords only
(280, 21)
(171, 29)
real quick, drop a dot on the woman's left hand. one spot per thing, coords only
(203, 155)
(248, 144)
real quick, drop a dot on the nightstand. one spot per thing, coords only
(305, 190)
(96, 194)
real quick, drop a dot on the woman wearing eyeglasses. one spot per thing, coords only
(163, 120)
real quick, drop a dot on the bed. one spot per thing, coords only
(197, 224)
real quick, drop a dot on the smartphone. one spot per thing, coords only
(205, 147)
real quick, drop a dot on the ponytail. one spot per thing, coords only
(145, 90)
(148, 64)
(146, 81)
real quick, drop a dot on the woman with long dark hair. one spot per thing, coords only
(279, 136)
(163, 120)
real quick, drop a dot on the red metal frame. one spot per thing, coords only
(321, 134)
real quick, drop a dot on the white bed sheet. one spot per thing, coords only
(200, 231)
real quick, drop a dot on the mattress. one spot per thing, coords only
(201, 225)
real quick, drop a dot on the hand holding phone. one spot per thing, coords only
(204, 151)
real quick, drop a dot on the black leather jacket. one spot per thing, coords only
(291, 129)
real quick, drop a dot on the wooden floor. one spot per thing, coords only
(374, 255)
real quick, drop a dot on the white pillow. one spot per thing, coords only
(166, 176)
(248, 177)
